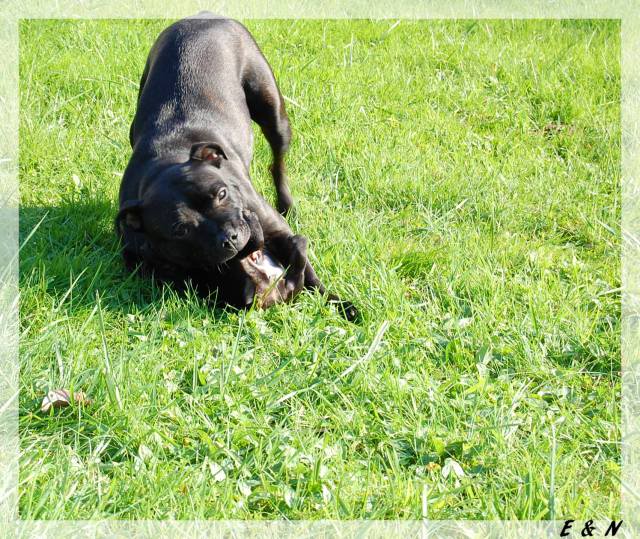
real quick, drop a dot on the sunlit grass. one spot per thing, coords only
(458, 180)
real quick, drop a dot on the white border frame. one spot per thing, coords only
(14, 10)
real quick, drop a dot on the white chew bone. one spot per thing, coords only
(266, 265)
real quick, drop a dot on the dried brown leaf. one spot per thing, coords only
(61, 398)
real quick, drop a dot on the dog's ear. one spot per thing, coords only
(130, 216)
(210, 152)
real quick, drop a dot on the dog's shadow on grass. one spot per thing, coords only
(70, 253)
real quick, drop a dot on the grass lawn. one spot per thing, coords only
(459, 181)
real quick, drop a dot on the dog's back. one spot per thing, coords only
(193, 82)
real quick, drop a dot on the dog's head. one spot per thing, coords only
(191, 216)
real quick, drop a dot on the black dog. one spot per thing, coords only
(188, 209)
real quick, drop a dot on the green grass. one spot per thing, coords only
(459, 180)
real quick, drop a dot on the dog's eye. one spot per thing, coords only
(181, 230)
(222, 193)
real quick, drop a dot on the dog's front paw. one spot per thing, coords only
(345, 308)
(298, 254)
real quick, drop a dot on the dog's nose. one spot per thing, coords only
(228, 241)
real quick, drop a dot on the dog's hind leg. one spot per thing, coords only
(266, 107)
